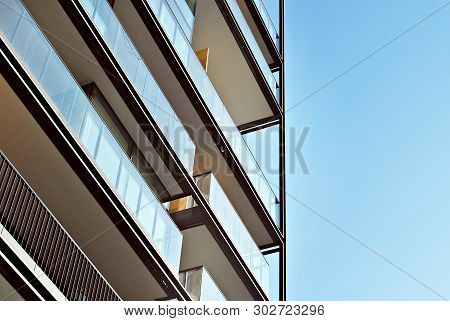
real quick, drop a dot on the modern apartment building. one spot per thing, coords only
(124, 168)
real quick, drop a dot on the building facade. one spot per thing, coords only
(124, 168)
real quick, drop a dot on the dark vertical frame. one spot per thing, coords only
(282, 256)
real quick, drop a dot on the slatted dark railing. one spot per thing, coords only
(39, 233)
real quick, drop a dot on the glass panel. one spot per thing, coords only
(210, 291)
(109, 157)
(142, 80)
(268, 22)
(236, 230)
(146, 212)
(216, 106)
(274, 261)
(18, 29)
(133, 189)
(192, 5)
(200, 286)
(248, 35)
(184, 16)
(169, 23)
(90, 133)
(76, 113)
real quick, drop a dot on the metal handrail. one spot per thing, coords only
(28, 220)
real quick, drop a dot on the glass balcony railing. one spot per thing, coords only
(268, 22)
(248, 35)
(141, 79)
(32, 49)
(184, 16)
(200, 286)
(234, 228)
(214, 103)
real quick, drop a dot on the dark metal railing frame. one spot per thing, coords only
(27, 219)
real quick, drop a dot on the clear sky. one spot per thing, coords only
(376, 225)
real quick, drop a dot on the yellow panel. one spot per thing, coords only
(203, 56)
(178, 205)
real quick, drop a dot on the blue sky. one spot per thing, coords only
(378, 227)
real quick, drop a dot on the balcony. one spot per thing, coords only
(113, 35)
(143, 82)
(234, 227)
(213, 101)
(200, 285)
(231, 223)
(29, 45)
(44, 244)
(215, 104)
(265, 17)
(251, 41)
(263, 29)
